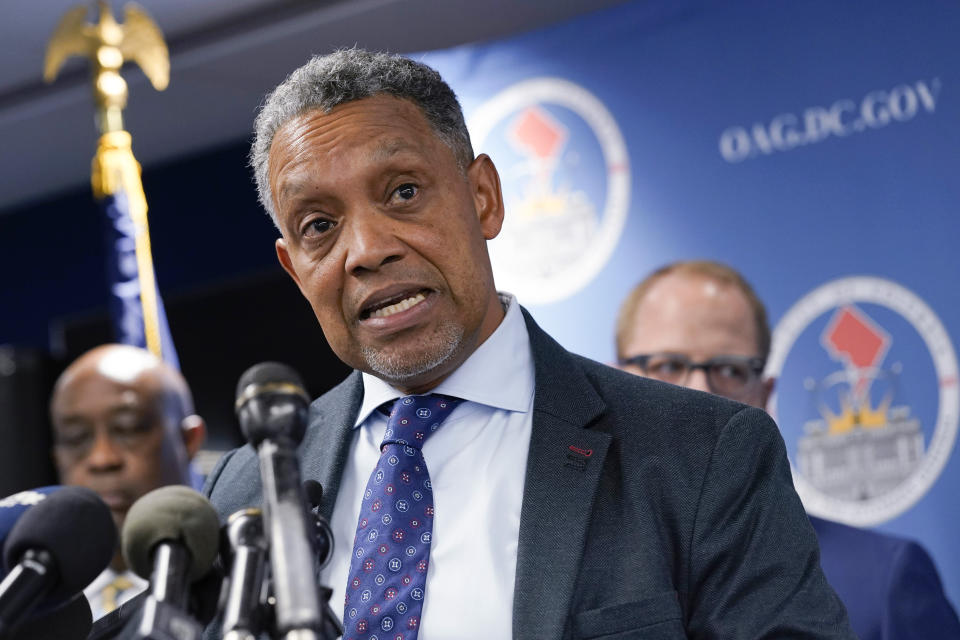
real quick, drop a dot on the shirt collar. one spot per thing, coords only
(499, 373)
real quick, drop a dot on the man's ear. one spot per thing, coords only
(487, 197)
(194, 431)
(284, 257)
(767, 390)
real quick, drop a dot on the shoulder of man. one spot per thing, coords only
(887, 583)
(647, 419)
(680, 430)
(707, 473)
(629, 399)
(669, 412)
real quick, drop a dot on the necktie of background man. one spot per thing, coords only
(391, 551)
(112, 592)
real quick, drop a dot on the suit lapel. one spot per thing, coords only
(563, 469)
(324, 452)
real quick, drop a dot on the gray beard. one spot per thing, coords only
(391, 368)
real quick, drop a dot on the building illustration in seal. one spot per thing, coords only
(861, 451)
(564, 219)
(565, 175)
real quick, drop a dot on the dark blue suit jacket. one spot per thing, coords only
(889, 585)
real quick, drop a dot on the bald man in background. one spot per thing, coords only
(123, 425)
(699, 324)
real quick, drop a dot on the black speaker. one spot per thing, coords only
(25, 436)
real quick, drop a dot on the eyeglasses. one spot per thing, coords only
(726, 375)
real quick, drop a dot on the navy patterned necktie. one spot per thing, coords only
(391, 551)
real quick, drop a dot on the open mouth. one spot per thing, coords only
(396, 304)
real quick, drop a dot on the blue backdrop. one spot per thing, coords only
(813, 146)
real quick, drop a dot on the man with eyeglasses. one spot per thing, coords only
(699, 324)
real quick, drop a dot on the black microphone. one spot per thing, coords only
(314, 492)
(14, 506)
(49, 621)
(272, 409)
(54, 550)
(70, 621)
(322, 533)
(244, 538)
(11, 509)
(170, 536)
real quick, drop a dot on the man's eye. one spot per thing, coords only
(406, 191)
(737, 372)
(129, 433)
(318, 227)
(666, 367)
(72, 439)
(126, 427)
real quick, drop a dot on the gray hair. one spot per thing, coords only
(352, 74)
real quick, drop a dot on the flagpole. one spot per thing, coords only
(115, 171)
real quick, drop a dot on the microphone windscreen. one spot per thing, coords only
(268, 373)
(174, 514)
(271, 404)
(75, 527)
(71, 621)
(14, 506)
(314, 493)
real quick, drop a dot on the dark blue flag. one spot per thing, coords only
(137, 310)
(135, 316)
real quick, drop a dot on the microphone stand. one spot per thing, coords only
(272, 409)
(301, 609)
(163, 615)
(241, 610)
(297, 597)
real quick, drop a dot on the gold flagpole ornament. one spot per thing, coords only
(108, 45)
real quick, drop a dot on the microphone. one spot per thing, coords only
(272, 406)
(322, 533)
(71, 621)
(314, 493)
(170, 536)
(55, 549)
(243, 535)
(14, 506)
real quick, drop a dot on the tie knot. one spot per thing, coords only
(121, 583)
(413, 419)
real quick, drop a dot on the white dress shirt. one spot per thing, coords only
(477, 462)
(94, 590)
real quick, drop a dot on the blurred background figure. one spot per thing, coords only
(699, 324)
(123, 425)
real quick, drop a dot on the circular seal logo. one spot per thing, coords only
(565, 175)
(867, 398)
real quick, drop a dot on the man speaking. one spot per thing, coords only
(481, 481)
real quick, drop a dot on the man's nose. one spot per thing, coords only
(104, 454)
(698, 380)
(372, 242)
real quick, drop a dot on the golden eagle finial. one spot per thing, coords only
(108, 45)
